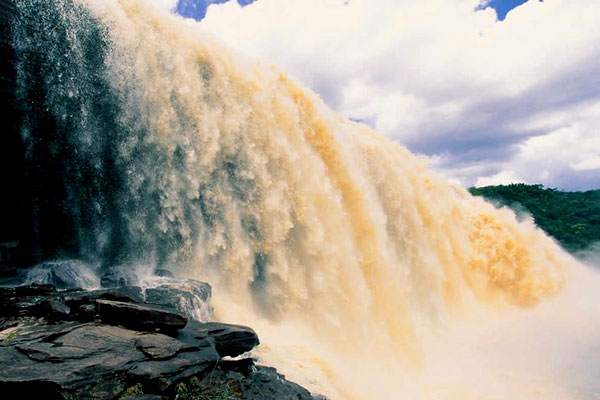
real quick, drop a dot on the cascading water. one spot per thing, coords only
(365, 275)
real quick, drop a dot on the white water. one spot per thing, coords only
(365, 276)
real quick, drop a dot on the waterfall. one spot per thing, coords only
(149, 143)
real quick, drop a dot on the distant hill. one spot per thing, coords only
(572, 218)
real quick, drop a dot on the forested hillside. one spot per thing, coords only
(572, 218)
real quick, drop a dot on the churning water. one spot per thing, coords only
(365, 275)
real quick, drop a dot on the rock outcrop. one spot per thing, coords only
(109, 344)
(230, 340)
(139, 317)
(62, 274)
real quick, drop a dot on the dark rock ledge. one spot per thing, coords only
(110, 344)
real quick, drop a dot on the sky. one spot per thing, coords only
(502, 7)
(493, 92)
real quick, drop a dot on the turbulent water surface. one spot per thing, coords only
(365, 275)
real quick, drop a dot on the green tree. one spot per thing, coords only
(572, 218)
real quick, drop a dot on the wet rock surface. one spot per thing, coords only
(118, 277)
(188, 296)
(230, 340)
(110, 344)
(62, 274)
(139, 317)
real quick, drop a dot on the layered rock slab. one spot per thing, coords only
(81, 345)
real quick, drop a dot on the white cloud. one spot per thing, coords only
(442, 78)
(501, 178)
(568, 155)
(165, 4)
(591, 163)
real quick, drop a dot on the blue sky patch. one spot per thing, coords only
(196, 9)
(502, 7)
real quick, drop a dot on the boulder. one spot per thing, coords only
(118, 276)
(230, 340)
(168, 289)
(46, 302)
(53, 310)
(176, 296)
(62, 274)
(23, 300)
(139, 317)
(265, 383)
(187, 296)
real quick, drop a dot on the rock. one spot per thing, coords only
(85, 313)
(118, 276)
(31, 290)
(158, 347)
(34, 301)
(44, 301)
(130, 294)
(119, 351)
(243, 379)
(83, 303)
(265, 383)
(93, 360)
(127, 294)
(52, 310)
(230, 340)
(23, 300)
(96, 361)
(169, 288)
(185, 365)
(32, 330)
(6, 323)
(188, 296)
(135, 316)
(65, 274)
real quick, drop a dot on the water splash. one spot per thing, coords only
(365, 275)
(63, 274)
